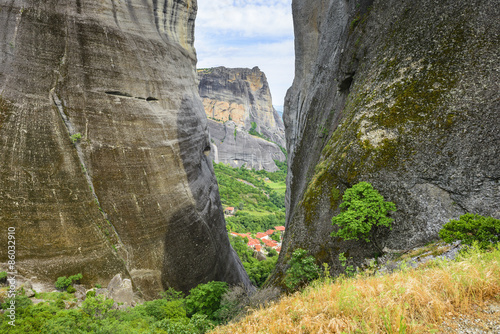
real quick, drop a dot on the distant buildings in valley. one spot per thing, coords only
(262, 239)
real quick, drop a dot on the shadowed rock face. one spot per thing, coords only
(234, 98)
(136, 195)
(402, 94)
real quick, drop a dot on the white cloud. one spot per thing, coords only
(248, 33)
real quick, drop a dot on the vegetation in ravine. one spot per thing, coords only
(258, 271)
(171, 314)
(257, 196)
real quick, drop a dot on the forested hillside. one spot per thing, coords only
(257, 196)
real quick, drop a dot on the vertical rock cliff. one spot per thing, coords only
(238, 101)
(136, 194)
(402, 94)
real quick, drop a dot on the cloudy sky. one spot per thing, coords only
(248, 33)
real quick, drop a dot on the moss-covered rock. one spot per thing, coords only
(407, 94)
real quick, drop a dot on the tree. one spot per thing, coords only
(363, 211)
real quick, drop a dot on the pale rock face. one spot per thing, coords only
(402, 94)
(233, 145)
(136, 195)
(233, 98)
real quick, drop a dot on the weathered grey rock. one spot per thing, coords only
(121, 291)
(233, 99)
(136, 195)
(402, 94)
(233, 145)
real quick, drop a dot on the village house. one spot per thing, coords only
(263, 236)
(229, 210)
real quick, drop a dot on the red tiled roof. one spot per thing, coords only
(261, 235)
(247, 235)
(270, 243)
(253, 242)
(230, 208)
(278, 249)
(280, 228)
(258, 248)
(269, 232)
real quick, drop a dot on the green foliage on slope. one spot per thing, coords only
(258, 196)
(472, 228)
(172, 314)
(258, 271)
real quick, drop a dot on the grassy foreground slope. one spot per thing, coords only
(409, 301)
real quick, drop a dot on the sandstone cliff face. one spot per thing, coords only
(402, 94)
(136, 195)
(234, 98)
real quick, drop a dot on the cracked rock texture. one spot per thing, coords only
(136, 195)
(402, 94)
(234, 98)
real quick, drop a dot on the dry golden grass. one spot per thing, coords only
(409, 301)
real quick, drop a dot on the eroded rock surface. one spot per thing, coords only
(234, 98)
(136, 194)
(402, 94)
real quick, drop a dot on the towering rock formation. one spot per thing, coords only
(238, 101)
(402, 94)
(136, 194)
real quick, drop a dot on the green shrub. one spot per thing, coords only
(64, 282)
(363, 211)
(206, 298)
(60, 303)
(470, 228)
(97, 307)
(71, 289)
(164, 309)
(198, 324)
(21, 302)
(171, 294)
(303, 269)
(90, 294)
(75, 137)
(3, 277)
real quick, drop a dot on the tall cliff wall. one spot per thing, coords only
(136, 194)
(402, 94)
(234, 98)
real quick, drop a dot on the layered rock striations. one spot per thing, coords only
(136, 194)
(402, 94)
(238, 102)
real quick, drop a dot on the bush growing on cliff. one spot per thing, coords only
(75, 137)
(363, 211)
(3, 277)
(303, 269)
(64, 282)
(470, 228)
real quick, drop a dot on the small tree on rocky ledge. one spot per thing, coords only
(363, 210)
